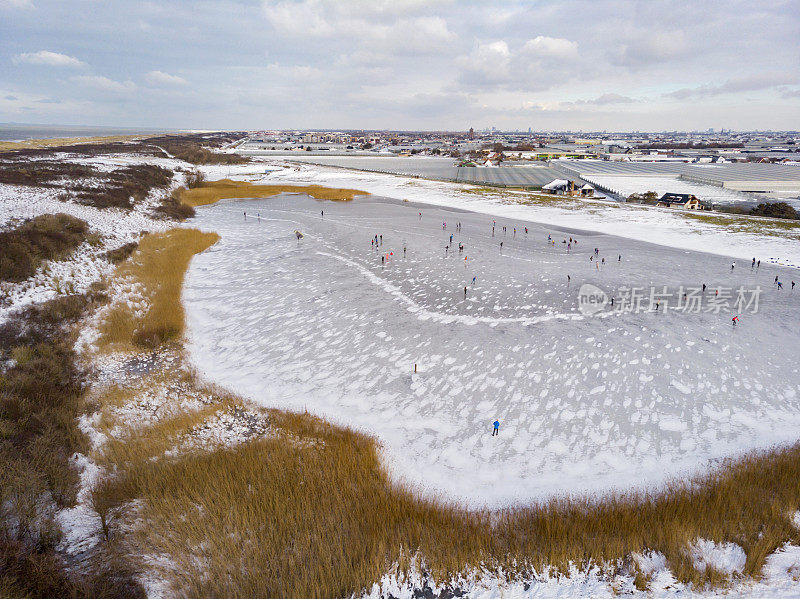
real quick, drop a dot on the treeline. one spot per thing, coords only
(770, 209)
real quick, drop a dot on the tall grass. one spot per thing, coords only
(41, 397)
(158, 266)
(209, 193)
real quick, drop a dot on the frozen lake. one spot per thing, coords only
(585, 403)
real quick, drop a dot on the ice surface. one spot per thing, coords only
(585, 403)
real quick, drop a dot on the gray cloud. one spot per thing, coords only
(605, 99)
(746, 83)
(104, 84)
(411, 64)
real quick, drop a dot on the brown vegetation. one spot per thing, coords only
(41, 397)
(310, 513)
(158, 265)
(68, 143)
(172, 208)
(194, 148)
(121, 253)
(194, 179)
(42, 173)
(45, 237)
(120, 188)
(124, 187)
(209, 193)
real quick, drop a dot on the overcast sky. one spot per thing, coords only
(416, 64)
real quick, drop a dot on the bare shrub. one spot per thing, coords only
(124, 187)
(45, 237)
(121, 253)
(194, 179)
(173, 208)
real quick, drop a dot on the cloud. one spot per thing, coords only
(298, 18)
(551, 47)
(536, 65)
(47, 58)
(16, 4)
(605, 99)
(104, 84)
(488, 64)
(649, 48)
(746, 83)
(159, 78)
(334, 18)
(405, 64)
(378, 27)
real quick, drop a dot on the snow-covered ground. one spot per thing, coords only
(781, 580)
(585, 403)
(116, 227)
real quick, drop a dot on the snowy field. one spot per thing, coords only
(585, 403)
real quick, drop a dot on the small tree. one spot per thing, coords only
(650, 197)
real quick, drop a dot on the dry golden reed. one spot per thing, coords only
(209, 193)
(158, 267)
(65, 141)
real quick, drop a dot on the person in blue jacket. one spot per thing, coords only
(496, 430)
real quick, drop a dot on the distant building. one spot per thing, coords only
(471, 133)
(686, 201)
(564, 187)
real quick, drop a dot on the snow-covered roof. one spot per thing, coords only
(587, 187)
(555, 183)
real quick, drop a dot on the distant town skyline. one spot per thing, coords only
(415, 65)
